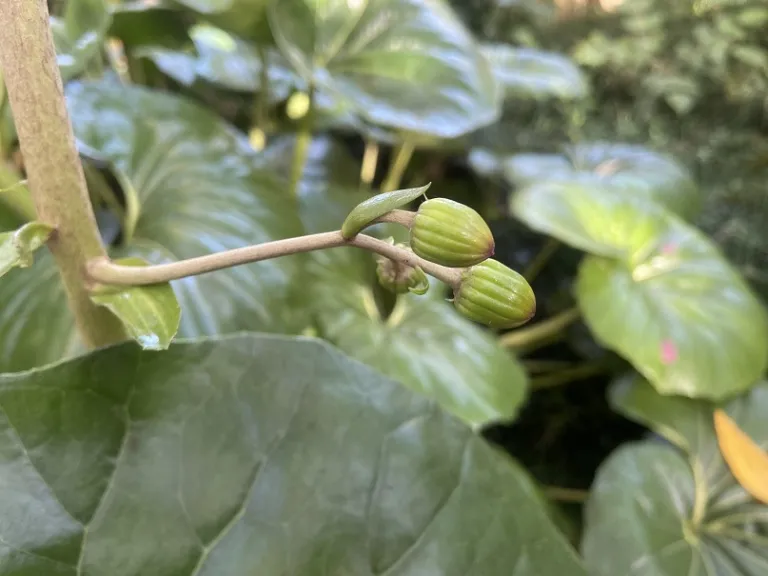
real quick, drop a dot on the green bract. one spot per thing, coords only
(401, 278)
(495, 295)
(450, 234)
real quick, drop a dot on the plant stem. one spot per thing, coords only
(262, 97)
(14, 193)
(53, 167)
(402, 217)
(541, 259)
(398, 166)
(301, 146)
(578, 372)
(541, 331)
(370, 161)
(571, 495)
(102, 271)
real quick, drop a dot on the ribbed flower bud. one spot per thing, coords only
(400, 278)
(495, 295)
(450, 234)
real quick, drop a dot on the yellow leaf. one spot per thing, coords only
(747, 461)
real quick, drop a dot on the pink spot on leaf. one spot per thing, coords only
(668, 352)
(669, 248)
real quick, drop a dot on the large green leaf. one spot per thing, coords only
(254, 455)
(664, 510)
(79, 34)
(404, 64)
(200, 192)
(246, 18)
(661, 295)
(624, 169)
(424, 343)
(535, 74)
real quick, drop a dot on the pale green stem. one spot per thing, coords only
(370, 161)
(541, 331)
(301, 147)
(541, 259)
(54, 172)
(570, 495)
(398, 166)
(14, 194)
(568, 375)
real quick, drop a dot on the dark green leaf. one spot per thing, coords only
(423, 343)
(150, 314)
(17, 248)
(200, 192)
(535, 74)
(246, 18)
(79, 35)
(254, 455)
(666, 510)
(403, 64)
(137, 23)
(621, 168)
(667, 300)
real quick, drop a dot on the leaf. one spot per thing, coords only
(246, 18)
(534, 74)
(224, 60)
(665, 510)
(624, 169)
(667, 300)
(79, 35)
(150, 314)
(200, 190)
(17, 248)
(423, 342)
(372, 208)
(254, 454)
(140, 24)
(404, 64)
(747, 461)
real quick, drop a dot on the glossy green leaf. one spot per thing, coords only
(403, 64)
(200, 190)
(79, 34)
(254, 455)
(668, 301)
(159, 24)
(150, 314)
(664, 510)
(246, 18)
(17, 248)
(225, 60)
(525, 73)
(624, 169)
(423, 343)
(372, 208)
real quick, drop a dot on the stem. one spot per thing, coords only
(262, 97)
(53, 167)
(541, 259)
(14, 193)
(102, 271)
(399, 164)
(579, 372)
(370, 161)
(571, 495)
(540, 331)
(402, 217)
(301, 148)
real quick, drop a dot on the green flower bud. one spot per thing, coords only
(450, 234)
(400, 278)
(494, 295)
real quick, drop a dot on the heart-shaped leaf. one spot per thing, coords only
(17, 248)
(624, 169)
(403, 64)
(525, 73)
(254, 455)
(79, 34)
(150, 314)
(200, 190)
(665, 510)
(666, 299)
(423, 342)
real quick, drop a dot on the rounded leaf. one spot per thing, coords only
(449, 233)
(403, 64)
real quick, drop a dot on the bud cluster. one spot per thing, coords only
(453, 235)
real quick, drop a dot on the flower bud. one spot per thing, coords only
(400, 278)
(450, 234)
(495, 295)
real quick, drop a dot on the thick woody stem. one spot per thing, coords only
(54, 172)
(102, 271)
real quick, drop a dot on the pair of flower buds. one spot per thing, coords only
(455, 236)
